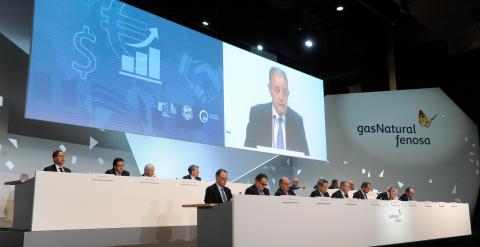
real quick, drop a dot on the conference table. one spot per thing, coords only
(88, 209)
(258, 221)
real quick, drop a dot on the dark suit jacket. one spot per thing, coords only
(259, 129)
(280, 192)
(252, 190)
(53, 168)
(316, 193)
(404, 197)
(359, 195)
(212, 195)
(190, 177)
(338, 194)
(383, 196)
(112, 171)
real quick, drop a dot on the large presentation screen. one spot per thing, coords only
(108, 65)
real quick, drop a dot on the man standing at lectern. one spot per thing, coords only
(343, 191)
(275, 124)
(218, 192)
(58, 163)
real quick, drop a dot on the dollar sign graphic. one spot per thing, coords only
(78, 41)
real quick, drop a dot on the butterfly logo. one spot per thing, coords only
(423, 119)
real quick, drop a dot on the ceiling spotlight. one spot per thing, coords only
(260, 47)
(339, 8)
(308, 43)
(205, 23)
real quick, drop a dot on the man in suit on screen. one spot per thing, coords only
(275, 124)
(218, 192)
(58, 163)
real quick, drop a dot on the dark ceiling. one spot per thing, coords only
(435, 43)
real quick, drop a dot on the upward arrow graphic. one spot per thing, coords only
(153, 35)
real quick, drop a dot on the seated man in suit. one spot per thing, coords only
(193, 173)
(322, 189)
(334, 184)
(218, 192)
(284, 187)
(259, 187)
(118, 168)
(343, 191)
(58, 163)
(274, 124)
(408, 196)
(352, 185)
(363, 191)
(390, 194)
(149, 171)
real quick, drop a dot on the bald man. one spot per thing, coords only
(284, 187)
(149, 171)
(275, 124)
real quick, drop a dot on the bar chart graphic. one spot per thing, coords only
(143, 66)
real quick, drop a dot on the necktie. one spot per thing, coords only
(365, 195)
(346, 195)
(61, 169)
(280, 133)
(224, 196)
(321, 194)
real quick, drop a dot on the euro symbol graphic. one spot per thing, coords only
(79, 40)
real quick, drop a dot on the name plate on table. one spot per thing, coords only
(395, 203)
(289, 200)
(453, 204)
(442, 204)
(189, 182)
(374, 203)
(149, 180)
(323, 200)
(427, 204)
(351, 202)
(102, 177)
(412, 203)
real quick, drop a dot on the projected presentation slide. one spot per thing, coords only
(113, 66)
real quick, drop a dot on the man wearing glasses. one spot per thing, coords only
(259, 187)
(322, 189)
(218, 192)
(275, 124)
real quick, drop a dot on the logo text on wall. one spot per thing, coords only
(405, 134)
